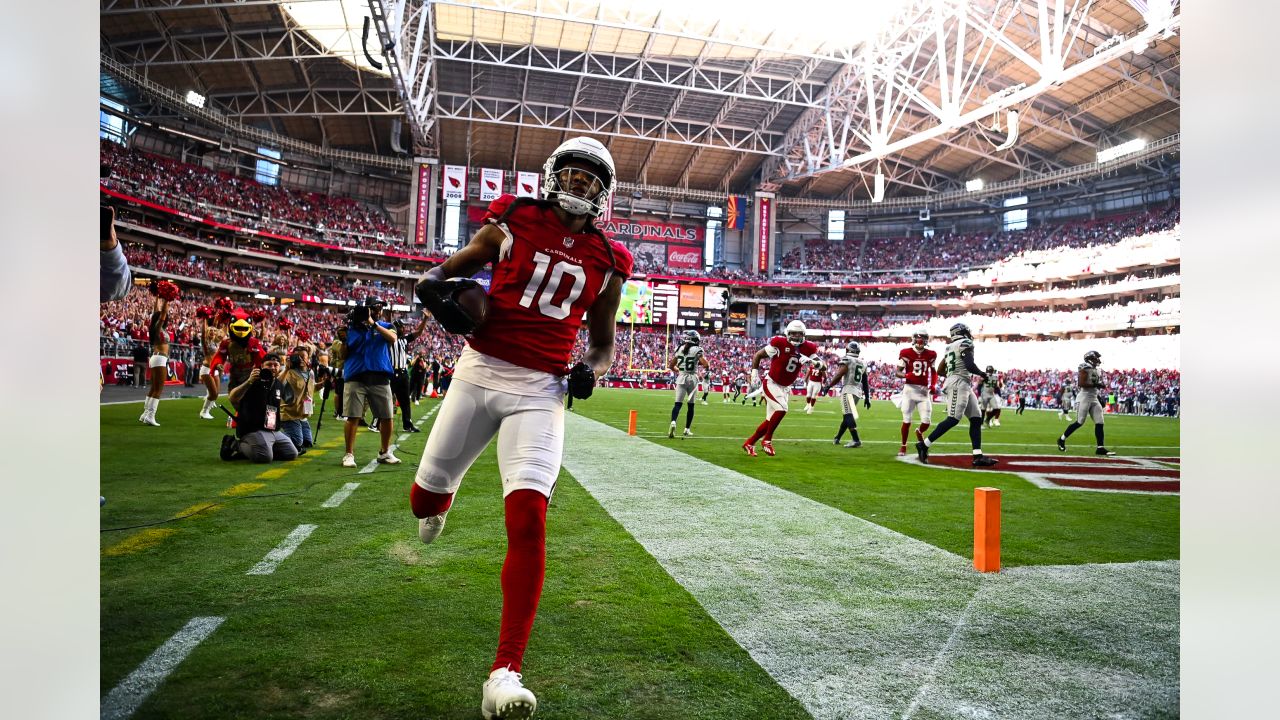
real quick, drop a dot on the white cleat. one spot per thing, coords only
(149, 420)
(205, 415)
(387, 458)
(505, 698)
(688, 433)
(808, 410)
(348, 460)
(429, 528)
(671, 432)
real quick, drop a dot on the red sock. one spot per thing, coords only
(522, 574)
(426, 503)
(906, 428)
(924, 428)
(772, 422)
(761, 429)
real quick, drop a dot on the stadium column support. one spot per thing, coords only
(764, 225)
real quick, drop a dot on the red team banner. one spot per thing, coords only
(424, 204)
(764, 206)
(622, 229)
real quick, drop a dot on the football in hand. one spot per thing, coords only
(474, 301)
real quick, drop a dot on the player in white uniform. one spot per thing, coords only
(958, 368)
(1087, 403)
(853, 370)
(756, 389)
(686, 361)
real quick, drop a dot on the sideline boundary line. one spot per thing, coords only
(125, 699)
(272, 560)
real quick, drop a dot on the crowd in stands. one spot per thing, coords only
(918, 259)
(245, 202)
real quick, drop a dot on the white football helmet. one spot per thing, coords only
(592, 152)
(919, 339)
(795, 332)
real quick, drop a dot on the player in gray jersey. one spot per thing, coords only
(1066, 401)
(959, 369)
(1087, 404)
(686, 361)
(853, 370)
(990, 397)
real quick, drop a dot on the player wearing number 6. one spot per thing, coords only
(787, 355)
(551, 266)
(686, 361)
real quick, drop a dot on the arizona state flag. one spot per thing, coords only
(736, 213)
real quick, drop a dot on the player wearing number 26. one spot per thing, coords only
(551, 266)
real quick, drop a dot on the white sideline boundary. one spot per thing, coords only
(343, 493)
(125, 699)
(856, 620)
(281, 552)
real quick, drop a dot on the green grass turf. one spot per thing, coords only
(1038, 526)
(363, 621)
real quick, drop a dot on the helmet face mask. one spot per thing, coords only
(795, 332)
(692, 337)
(579, 161)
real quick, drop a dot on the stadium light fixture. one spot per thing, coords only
(973, 185)
(1122, 149)
(195, 98)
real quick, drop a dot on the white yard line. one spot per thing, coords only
(343, 493)
(855, 620)
(125, 699)
(282, 551)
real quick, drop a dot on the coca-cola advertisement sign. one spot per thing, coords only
(653, 231)
(684, 257)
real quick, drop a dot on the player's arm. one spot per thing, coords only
(600, 330)
(761, 354)
(672, 365)
(840, 372)
(1083, 379)
(482, 250)
(702, 361)
(901, 372)
(966, 357)
(941, 370)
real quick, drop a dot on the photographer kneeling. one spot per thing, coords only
(257, 402)
(367, 371)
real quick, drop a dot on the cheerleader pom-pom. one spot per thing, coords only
(224, 304)
(304, 336)
(205, 312)
(257, 315)
(166, 290)
(285, 324)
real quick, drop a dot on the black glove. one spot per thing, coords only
(582, 380)
(866, 403)
(440, 298)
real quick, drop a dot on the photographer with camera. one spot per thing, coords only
(295, 415)
(257, 402)
(367, 373)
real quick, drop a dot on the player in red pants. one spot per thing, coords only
(787, 355)
(916, 367)
(551, 266)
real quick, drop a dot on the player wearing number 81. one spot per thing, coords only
(551, 266)
(787, 355)
(686, 361)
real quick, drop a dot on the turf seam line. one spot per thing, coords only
(125, 699)
(272, 560)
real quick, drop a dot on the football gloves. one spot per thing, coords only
(440, 298)
(582, 380)
(866, 403)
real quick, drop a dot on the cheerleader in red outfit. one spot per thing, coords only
(158, 365)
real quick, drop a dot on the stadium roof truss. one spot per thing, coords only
(698, 105)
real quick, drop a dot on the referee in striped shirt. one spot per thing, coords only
(400, 362)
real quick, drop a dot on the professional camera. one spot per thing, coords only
(266, 376)
(360, 315)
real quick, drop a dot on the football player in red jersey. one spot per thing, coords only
(813, 385)
(787, 355)
(551, 266)
(916, 366)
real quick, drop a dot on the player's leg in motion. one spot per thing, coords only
(849, 421)
(1082, 412)
(1098, 433)
(675, 413)
(957, 397)
(464, 426)
(688, 419)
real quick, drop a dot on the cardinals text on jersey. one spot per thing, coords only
(785, 363)
(542, 288)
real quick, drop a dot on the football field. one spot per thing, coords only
(684, 578)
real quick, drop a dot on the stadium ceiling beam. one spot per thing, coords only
(406, 32)
(308, 102)
(565, 118)
(625, 106)
(226, 46)
(863, 117)
(130, 7)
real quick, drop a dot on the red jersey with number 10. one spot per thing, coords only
(785, 364)
(920, 365)
(542, 288)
